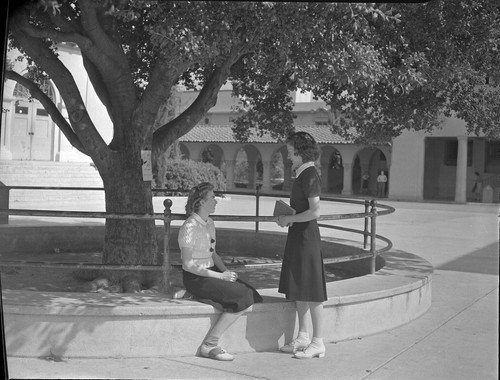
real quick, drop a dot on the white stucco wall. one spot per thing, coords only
(408, 160)
(450, 127)
(73, 61)
(407, 167)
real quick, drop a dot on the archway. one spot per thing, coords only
(278, 161)
(332, 170)
(248, 167)
(357, 181)
(184, 151)
(214, 155)
(368, 161)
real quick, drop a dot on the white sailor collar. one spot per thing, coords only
(303, 167)
(199, 219)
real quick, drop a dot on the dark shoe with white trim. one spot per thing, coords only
(216, 353)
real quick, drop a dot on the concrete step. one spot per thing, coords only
(50, 174)
(55, 196)
(35, 173)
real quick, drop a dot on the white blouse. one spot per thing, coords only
(198, 236)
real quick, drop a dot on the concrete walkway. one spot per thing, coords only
(456, 339)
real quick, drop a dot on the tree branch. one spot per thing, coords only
(60, 19)
(82, 125)
(98, 83)
(105, 63)
(207, 98)
(49, 106)
(108, 68)
(68, 35)
(163, 76)
(92, 26)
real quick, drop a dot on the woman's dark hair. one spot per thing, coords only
(304, 145)
(196, 195)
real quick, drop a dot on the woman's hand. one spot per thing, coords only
(283, 221)
(229, 276)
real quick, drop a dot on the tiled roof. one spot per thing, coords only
(224, 134)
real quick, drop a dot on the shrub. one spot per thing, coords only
(184, 174)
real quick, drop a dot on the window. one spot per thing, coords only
(493, 150)
(321, 122)
(451, 152)
(321, 119)
(21, 110)
(22, 92)
(492, 159)
(41, 112)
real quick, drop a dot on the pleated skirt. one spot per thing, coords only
(302, 272)
(229, 297)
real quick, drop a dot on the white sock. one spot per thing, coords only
(211, 341)
(303, 336)
(318, 342)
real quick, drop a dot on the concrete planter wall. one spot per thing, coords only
(41, 324)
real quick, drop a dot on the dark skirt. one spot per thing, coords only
(230, 297)
(302, 272)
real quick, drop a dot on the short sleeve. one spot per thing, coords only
(312, 184)
(186, 236)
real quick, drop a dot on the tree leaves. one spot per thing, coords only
(392, 59)
(401, 71)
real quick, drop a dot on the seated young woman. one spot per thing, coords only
(204, 274)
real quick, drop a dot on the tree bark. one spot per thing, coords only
(130, 241)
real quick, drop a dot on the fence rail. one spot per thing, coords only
(372, 210)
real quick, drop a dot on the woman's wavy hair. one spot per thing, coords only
(196, 195)
(304, 145)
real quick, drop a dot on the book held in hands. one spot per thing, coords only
(281, 208)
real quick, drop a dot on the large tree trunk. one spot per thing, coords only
(130, 241)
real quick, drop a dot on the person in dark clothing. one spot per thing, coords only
(302, 276)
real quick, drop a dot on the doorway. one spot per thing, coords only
(32, 132)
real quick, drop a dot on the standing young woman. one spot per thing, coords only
(302, 274)
(204, 274)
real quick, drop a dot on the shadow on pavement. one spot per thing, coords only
(482, 261)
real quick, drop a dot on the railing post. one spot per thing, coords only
(257, 201)
(373, 232)
(167, 218)
(4, 347)
(365, 234)
(4, 202)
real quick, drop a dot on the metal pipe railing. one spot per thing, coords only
(167, 217)
(365, 235)
(373, 235)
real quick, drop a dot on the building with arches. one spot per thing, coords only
(341, 163)
(419, 165)
(338, 177)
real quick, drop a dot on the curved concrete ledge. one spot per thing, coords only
(39, 324)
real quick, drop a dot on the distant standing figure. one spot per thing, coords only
(477, 189)
(364, 183)
(381, 184)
